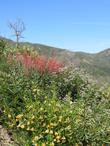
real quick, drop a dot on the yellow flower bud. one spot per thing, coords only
(51, 132)
(43, 144)
(32, 129)
(41, 109)
(47, 131)
(22, 126)
(33, 117)
(36, 138)
(28, 123)
(58, 137)
(19, 116)
(56, 133)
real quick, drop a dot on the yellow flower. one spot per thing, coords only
(33, 117)
(58, 137)
(52, 144)
(68, 127)
(38, 91)
(51, 132)
(9, 116)
(40, 117)
(36, 138)
(47, 131)
(34, 94)
(47, 143)
(45, 101)
(31, 122)
(34, 90)
(43, 125)
(28, 123)
(19, 116)
(49, 104)
(54, 124)
(63, 138)
(17, 120)
(36, 144)
(71, 112)
(22, 126)
(58, 140)
(30, 107)
(56, 133)
(43, 144)
(32, 129)
(18, 126)
(41, 109)
(60, 118)
(28, 129)
(50, 125)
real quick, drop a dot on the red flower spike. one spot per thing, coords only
(39, 63)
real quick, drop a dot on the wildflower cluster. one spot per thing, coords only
(38, 62)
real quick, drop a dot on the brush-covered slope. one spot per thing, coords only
(97, 65)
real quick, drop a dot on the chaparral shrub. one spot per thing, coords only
(51, 107)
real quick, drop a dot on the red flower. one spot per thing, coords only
(53, 65)
(39, 63)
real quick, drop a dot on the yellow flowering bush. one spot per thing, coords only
(50, 122)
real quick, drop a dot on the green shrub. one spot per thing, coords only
(2, 46)
(74, 82)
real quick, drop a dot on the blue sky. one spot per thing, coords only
(77, 25)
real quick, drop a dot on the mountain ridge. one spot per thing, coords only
(60, 48)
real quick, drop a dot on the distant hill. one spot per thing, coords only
(97, 65)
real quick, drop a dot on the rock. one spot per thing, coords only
(5, 138)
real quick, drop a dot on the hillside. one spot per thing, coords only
(41, 106)
(97, 65)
